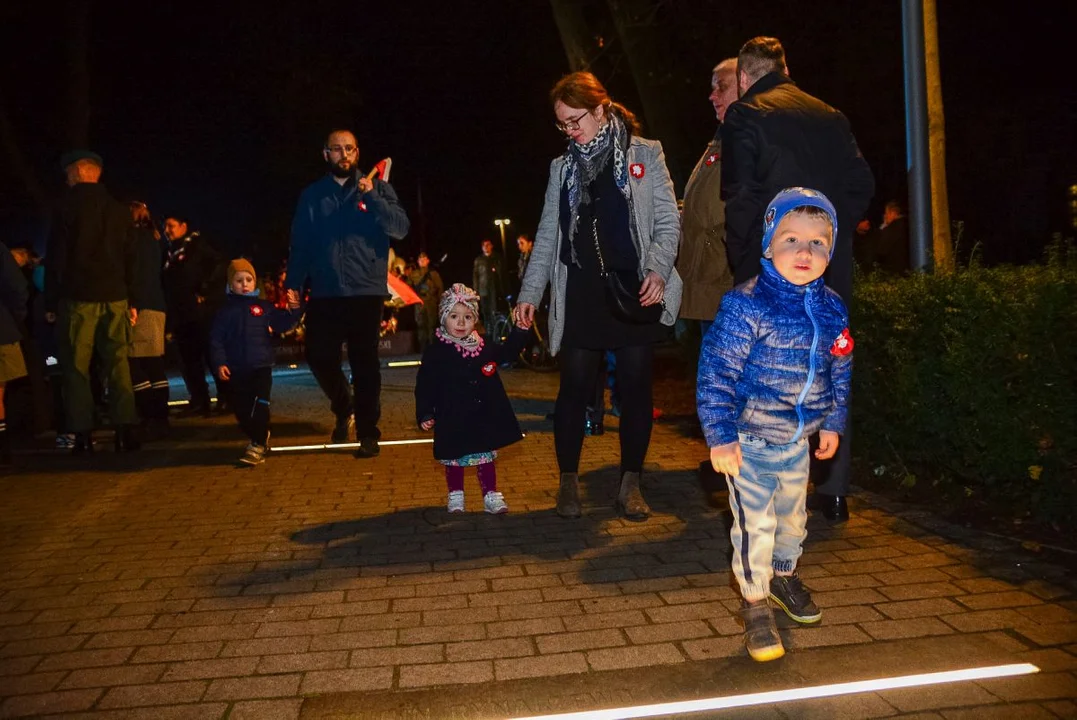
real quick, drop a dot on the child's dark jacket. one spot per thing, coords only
(464, 395)
(240, 338)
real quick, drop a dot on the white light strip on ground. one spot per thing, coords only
(807, 693)
(405, 363)
(176, 403)
(348, 446)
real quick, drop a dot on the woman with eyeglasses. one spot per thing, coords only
(606, 244)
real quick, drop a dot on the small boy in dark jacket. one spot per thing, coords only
(774, 369)
(241, 350)
(459, 395)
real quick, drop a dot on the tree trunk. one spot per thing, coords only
(936, 130)
(575, 37)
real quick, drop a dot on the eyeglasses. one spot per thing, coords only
(342, 149)
(572, 123)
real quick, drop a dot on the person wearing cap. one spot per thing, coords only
(774, 369)
(91, 293)
(777, 136)
(241, 350)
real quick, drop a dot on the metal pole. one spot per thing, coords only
(916, 140)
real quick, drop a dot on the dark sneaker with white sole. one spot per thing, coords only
(789, 594)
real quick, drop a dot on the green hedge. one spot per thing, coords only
(965, 386)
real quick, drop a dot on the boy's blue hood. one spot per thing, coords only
(790, 199)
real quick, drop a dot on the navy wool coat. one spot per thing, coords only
(471, 410)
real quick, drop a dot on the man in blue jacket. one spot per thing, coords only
(340, 247)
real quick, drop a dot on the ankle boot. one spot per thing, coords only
(83, 444)
(630, 500)
(127, 439)
(568, 496)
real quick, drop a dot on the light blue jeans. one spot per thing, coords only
(769, 515)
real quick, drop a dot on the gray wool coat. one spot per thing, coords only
(657, 236)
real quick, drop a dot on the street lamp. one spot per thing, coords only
(502, 223)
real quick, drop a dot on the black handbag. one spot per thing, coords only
(622, 294)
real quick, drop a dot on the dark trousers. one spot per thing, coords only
(192, 342)
(250, 402)
(150, 383)
(579, 370)
(832, 477)
(356, 321)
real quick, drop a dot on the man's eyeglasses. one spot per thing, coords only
(571, 124)
(342, 149)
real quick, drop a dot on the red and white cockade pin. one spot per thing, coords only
(362, 206)
(843, 344)
(489, 369)
(637, 170)
(256, 310)
(713, 158)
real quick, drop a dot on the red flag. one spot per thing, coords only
(400, 290)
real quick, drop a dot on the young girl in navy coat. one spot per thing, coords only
(241, 350)
(459, 395)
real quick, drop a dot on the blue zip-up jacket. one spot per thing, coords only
(772, 363)
(340, 240)
(240, 336)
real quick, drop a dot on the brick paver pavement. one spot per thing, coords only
(169, 584)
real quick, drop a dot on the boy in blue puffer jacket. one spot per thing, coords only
(774, 369)
(241, 352)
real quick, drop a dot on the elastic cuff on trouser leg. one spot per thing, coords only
(784, 567)
(754, 592)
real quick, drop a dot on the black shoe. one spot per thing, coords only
(194, 410)
(127, 439)
(833, 507)
(368, 448)
(83, 444)
(761, 632)
(343, 429)
(789, 594)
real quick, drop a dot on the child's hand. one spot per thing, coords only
(427, 424)
(726, 458)
(828, 444)
(224, 373)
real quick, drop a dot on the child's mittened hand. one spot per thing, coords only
(726, 458)
(427, 424)
(223, 372)
(828, 444)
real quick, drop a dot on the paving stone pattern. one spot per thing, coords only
(171, 584)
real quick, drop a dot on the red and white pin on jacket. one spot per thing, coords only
(256, 310)
(489, 369)
(637, 170)
(843, 344)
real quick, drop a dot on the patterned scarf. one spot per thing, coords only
(471, 344)
(584, 162)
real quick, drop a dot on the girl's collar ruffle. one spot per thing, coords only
(469, 346)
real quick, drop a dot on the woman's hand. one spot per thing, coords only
(525, 315)
(224, 373)
(653, 289)
(427, 424)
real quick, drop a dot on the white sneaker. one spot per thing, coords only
(456, 501)
(494, 503)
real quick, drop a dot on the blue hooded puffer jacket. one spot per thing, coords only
(777, 361)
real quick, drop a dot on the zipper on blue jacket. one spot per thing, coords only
(811, 368)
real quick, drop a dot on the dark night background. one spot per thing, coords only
(220, 113)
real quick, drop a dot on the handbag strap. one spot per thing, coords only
(598, 248)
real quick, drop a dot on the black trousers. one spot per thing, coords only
(579, 370)
(250, 391)
(150, 383)
(355, 320)
(192, 342)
